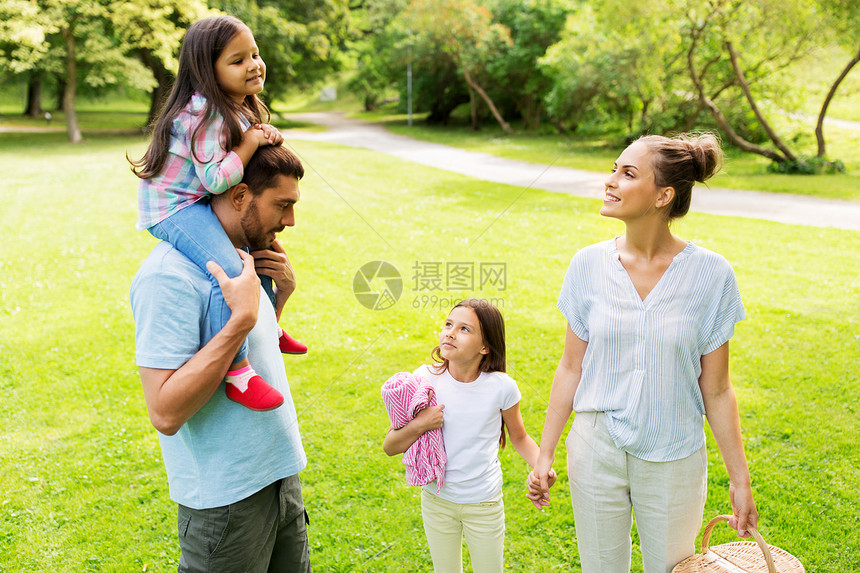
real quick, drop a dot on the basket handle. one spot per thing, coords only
(706, 536)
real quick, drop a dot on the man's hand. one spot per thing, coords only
(242, 294)
(276, 264)
(173, 396)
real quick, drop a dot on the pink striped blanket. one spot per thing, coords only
(405, 395)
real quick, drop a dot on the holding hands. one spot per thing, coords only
(540, 479)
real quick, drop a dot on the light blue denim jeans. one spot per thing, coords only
(197, 233)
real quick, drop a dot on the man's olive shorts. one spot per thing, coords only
(264, 533)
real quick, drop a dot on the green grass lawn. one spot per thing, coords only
(83, 486)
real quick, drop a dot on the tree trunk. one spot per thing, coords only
(694, 117)
(744, 85)
(473, 110)
(474, 85)
(72, 127)
(159, 95)
(34, 96)
(561, 128)
(819, 127)
(61, 91)
(721, 120)
(736, 139)
(644, 125)
(532, 112)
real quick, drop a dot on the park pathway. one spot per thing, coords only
(793, 209)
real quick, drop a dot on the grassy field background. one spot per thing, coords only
(83, 486)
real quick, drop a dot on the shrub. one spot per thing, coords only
(807, 166)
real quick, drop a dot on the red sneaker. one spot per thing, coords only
(290, 345)
(259, 396)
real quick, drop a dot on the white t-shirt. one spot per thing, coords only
(471, 430)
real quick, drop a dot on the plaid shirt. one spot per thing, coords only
(188, 177)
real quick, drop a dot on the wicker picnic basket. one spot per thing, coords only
(739, 557)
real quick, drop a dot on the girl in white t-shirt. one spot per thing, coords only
(479, 401)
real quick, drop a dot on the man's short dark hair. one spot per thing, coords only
(267, 163)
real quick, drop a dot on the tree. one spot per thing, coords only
(843, 18)
(739, 45)
(75, 39)
(22, 44)
(384, 48)
(463, 32)
(153, 31)
(534, 25)
(619, 60)
(378, 66)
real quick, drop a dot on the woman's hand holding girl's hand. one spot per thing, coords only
(744, 512)
(539, 481)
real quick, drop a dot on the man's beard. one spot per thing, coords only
(257, 238)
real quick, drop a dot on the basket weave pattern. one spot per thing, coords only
(739, 557)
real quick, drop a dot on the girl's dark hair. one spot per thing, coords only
(493, 334)
(203, 43)
(681, 161)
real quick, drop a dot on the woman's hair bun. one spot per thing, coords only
(681, 161)
(706, 153)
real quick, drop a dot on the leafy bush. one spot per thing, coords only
(807, 166)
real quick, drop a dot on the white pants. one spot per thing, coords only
(606, 483)
(483, 524)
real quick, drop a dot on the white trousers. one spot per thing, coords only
(608, 485)
(483, 524)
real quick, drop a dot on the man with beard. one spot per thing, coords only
(233, 471)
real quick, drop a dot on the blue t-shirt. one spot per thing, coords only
(224, 452)
(644, 358)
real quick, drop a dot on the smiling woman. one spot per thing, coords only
(666, 167)
(645, 357)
